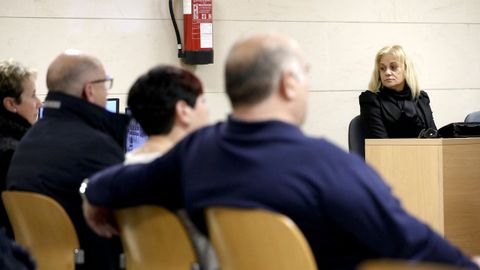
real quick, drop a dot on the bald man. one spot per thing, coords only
(76, 137)
(259, 158)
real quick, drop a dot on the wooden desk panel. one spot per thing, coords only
(437, 180)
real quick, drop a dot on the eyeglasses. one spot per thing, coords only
(108, 82)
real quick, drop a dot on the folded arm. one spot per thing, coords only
(120, 186)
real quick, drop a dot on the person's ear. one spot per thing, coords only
(10, 104)
(288, 84)
(88, 93)
(183, 112)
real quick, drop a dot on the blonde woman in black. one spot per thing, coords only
(394, 106)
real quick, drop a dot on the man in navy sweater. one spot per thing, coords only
(259, 158)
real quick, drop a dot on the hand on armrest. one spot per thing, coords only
(100, 219)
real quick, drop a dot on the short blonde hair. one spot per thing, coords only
(410, 74)
(12, 74)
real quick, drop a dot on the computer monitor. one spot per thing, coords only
(40, 112)
(135, 134)
(113, 105)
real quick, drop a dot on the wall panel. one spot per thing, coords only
(381, 11)
(340, 39)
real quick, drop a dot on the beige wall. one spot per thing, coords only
(340, 38)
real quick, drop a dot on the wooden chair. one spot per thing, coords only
(257, 239)
(154, 238)
(390, 264)
(42, 226)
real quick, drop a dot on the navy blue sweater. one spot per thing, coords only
(344, 209)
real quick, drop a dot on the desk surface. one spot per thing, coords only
(415, 141)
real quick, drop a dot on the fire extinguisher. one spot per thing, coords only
(197, 31)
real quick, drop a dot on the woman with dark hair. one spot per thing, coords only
(168, 103)
(18, 111)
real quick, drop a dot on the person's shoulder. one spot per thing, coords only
(423, 94)
(367, 96)
(330, 159)
(8, 144)
(103, 141)
(423, 97)
(200, 136)
(209, 130)
(322, 147)
(86, 141)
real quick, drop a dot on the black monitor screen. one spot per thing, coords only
(113, 104)
(135, 135)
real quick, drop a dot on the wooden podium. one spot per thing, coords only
(437, 180)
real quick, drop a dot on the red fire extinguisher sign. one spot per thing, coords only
(198, 31)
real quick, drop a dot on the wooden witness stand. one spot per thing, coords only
(437, 180)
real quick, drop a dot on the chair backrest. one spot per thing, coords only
(154, 238)
(42, 226)
(356, 136)
(473, 117)
(257, 239)
(388, 264)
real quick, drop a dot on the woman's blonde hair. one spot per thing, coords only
(12, 74)
(410, 74)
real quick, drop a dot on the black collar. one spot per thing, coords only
(405, 94)
(59, 105)
(252, 130)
